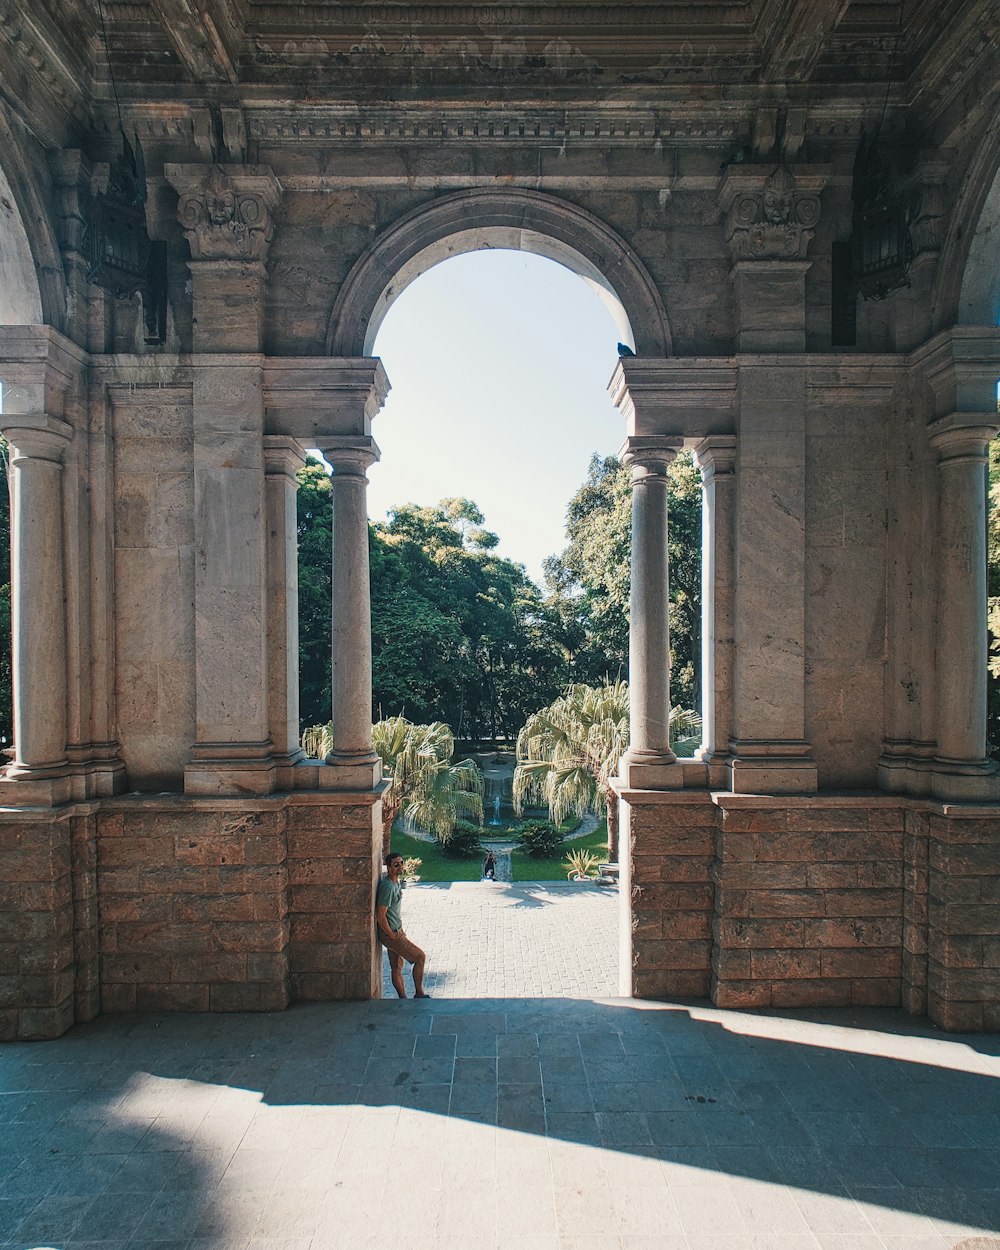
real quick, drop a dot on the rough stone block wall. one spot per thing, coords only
(333, 865)
(86, 917)
(668, 879)
(193, 906)
(808, 904)
(963, 960)
(915, 912)
(36, 926)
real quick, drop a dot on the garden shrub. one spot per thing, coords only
(463, 841)
(540, 839)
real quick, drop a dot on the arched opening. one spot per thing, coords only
(20, 304)
(507, 412)
(512, 219)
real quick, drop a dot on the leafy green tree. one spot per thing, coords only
(589, 582)
(459, 634)
(568, 752)
(993, 592)
(315, 521)
(425, 786)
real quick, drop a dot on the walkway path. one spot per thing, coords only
(501, 1125)
(494, 939)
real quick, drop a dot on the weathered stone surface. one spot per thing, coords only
(842, 442)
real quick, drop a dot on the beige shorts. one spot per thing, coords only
(400, 947)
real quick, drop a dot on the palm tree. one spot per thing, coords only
(568, 752)
(432, 792)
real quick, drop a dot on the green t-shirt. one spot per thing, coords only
(389, 895)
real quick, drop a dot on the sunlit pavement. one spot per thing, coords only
(497, 940)
(548, 1124)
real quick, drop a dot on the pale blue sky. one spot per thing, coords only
(499, 363)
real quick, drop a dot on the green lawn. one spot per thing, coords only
(437, 866)
(528, 869)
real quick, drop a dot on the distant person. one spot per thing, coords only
(389, 924)
(490, 867)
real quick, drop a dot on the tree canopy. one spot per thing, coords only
(459, 634)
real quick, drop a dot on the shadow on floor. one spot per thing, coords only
(867, 1105)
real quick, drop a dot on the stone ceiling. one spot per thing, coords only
(702, 59)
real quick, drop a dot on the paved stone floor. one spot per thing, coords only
(493, 939)
(488, 1124)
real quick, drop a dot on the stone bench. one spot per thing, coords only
(607, 874)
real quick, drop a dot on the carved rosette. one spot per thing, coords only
(769, 216)
(227, 211)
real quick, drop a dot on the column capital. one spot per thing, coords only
(771, 212)
(283, 457)
(227, 211)
(315, 398)
(963, 435)
(36, 436)
(39, 367)
(651, 455)
(716, 456)
(687, 397)
(349, 456)
(961, 367)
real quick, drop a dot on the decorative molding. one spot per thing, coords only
(769, 216)
(227, 211)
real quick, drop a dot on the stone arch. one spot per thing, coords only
(20, 297)
(969, 273)
(517, 219)
(30, 258)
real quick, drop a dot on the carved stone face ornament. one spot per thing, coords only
(775, 221)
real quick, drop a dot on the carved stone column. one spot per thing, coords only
(351, 681)
(283, 457)
(38, 610)
(227, 215)
(961, 769)
(646, 764)
(716, 458)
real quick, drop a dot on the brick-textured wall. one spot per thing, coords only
(193, 905)
(86, 917)
(333, 865)
(36, 925)
(963, 935)
(667, 845)
(808, 903)
(915, 877)
(196, 904)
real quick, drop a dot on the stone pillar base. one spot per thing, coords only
(230, 768)
(905, 767)
(963, 928)
(666, 848)
(24, 787)
(644, 770)
(40, 964)
(965, 781)
(348, 772)
(96, 770)
(772, 768)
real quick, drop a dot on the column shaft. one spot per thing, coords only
(283, 457)
(961, 616)
(716, 457)
(647, 760)
(351, 673)
(38, 603)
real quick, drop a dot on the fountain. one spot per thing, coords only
(495, 818)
